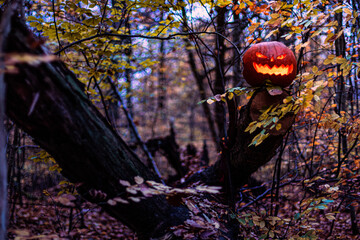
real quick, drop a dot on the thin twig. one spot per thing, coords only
(314, 138)
(263, 195)
(55, 25)
(135, 131)
(346, 155)
(102, 99)
(103, 15)
(170, 37)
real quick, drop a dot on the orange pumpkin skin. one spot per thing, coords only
(269, 60)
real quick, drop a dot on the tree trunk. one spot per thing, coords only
(237, 80)
(219, 83)
(48, 102)
(4, 31)
(341, 92)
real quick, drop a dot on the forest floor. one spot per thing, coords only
(42, 219)
(316, 208)
(50, 218)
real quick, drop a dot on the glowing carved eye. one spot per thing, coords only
(259, 55)
(281, 57)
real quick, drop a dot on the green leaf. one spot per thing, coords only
(321, 207)
(202, 101)
(242, 221)
(32, 18)
(36, 25)
(92, 21)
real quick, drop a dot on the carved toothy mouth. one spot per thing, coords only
(275, 70)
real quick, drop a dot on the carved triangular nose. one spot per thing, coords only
(272, 59)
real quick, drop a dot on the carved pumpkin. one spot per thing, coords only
(269, 60)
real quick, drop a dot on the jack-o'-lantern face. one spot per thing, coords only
(269, 60)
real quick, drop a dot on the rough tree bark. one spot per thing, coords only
(4, 31)
(48, 102)
(219, 59)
